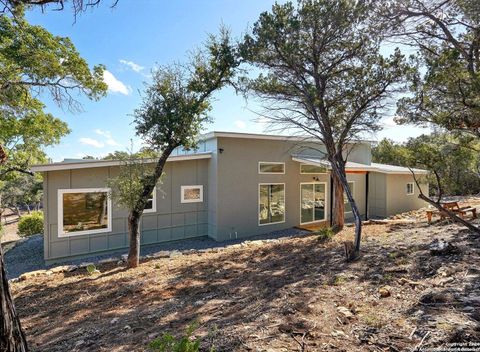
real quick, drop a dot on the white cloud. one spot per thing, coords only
(135, 67)
(240, 124)
(389, 122)
(109, 139)
(114, 85)
(91, 142)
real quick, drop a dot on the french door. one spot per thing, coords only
(313, 202)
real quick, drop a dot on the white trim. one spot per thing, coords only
(271, 162)
(284, 199)
(413, 188)
(154, 202)
(105, 163)
(313, 173)
(326, 201)
(61, 192)
(182, 194)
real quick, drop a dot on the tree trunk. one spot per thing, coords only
(338, 204)
(338, 168)
(12, 338)
(134, 232)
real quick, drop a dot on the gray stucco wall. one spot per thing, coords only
(173, 220)
(397, 199)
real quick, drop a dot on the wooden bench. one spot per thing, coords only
(453, 207)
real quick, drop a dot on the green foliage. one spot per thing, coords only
(445, 90)
(33, 62)
(325, 234)
(31, 224)
(454, 159)
(91, 269)
(186, 343)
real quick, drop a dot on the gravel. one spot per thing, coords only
(27, 255)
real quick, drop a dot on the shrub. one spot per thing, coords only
(325, 234)
(186, 343)
(31, 224)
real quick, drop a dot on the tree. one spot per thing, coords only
(174, 109)
(446, 90)
(33, 61)
(322, 73)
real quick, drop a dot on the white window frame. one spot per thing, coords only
(312, 173)
(61, 192)
(154, 202)
(284, 199)
(413, 188)
(271, 173)
(326, 201)
(182, 194)
(353, 195)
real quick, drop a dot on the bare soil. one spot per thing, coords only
(295, 294)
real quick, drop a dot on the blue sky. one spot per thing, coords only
(130, 40)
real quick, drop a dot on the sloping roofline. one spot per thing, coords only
(224, 134)
(85, 164)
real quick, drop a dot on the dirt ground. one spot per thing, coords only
(295, 294)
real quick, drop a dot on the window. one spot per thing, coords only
(312, 169)
(312, 202)
(84, 211)
(191, 194)
(410, 188)
(151, 206)
(271, 168)
(348, 207)
(271, 203)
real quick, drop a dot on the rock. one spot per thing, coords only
(174, 254)
(31, 274)
(107, 261)
(385, 291)
(161, 254)
(60, 269)
(85, 264)
(437, 297)
(124, 257)
(72, 268)
(441, 247)
(114, 320)
(12, 281)
(79, 343)
(127, 327)
(338, 333)
(345, 312)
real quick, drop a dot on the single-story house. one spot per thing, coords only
(235, 185)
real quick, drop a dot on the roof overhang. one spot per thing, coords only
(106, 163)
(352, 167)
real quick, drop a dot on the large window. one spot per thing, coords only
(271, 203)
(312, 169)
(191, 194)
(410, 188)
(151, 206)
(271, 168)
(348, 207)
(84, 211)
(312, 202)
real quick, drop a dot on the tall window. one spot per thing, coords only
(313, 200)
(271, 168)
(84, 211)
(151, 206)
(410, 189)
(271, 207)
(348, 207)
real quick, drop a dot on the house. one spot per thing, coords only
(234, 185)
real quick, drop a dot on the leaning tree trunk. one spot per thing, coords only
(338, 204)
(338, 168)
(134, 231)
(12, 338)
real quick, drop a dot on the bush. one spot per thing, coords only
(31, 224)
(169, 343)
(325, 234)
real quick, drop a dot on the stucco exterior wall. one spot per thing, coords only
(377, 192)
(396, 196)
(173, 220)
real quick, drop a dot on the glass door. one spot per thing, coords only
(312, 202)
